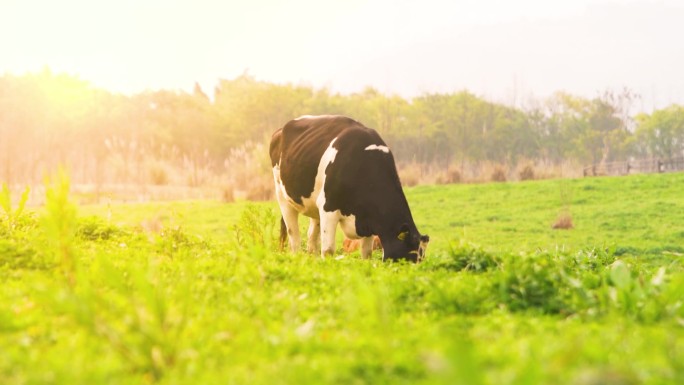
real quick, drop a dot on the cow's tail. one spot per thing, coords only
(283, 233)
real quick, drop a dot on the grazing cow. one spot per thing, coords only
(333, 170)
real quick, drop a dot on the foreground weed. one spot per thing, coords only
(590, 283)
(256, 227)
(17, 255)
(593, 259)
(60, 224)
(132, 311)
(12, 216)
(173, 240)
(470, 257)
(16, 250)
(96, 229)
(640, 295)
(531, 281)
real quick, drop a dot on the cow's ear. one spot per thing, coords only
(403, 232)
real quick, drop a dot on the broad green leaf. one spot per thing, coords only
(620, 275)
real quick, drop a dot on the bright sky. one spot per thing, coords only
(503, 50)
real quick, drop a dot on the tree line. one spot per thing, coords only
(195, 138)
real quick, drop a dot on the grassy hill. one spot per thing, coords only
(195, 292)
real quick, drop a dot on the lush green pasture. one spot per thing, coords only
(195, 292)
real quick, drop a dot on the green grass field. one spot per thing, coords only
(195, 292)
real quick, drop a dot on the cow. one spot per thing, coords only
(335, 170)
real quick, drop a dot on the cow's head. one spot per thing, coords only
(406, 244)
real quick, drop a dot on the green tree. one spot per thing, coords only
(250, 110)
(661, 134)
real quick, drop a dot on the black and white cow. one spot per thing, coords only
(334, 170)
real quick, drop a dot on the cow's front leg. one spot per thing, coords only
(366, 246)
(328, 226)
(314, 240)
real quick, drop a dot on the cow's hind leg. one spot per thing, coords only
(290, 218)
(328, 225)
(314, 240)
(283, 233)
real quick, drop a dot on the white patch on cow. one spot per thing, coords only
(328, 220)
(281, 192)
(372, 147)
(327, 158)
(312, 117)
(304, 117)
(313, 204)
